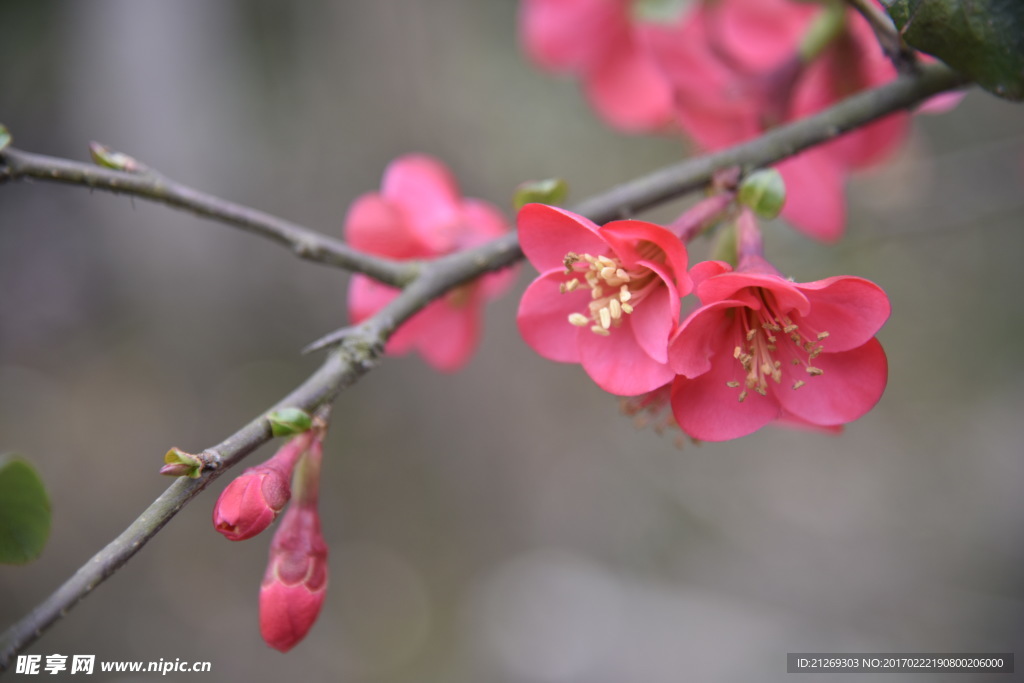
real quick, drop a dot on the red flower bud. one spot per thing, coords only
(295, 584)
(253, 500)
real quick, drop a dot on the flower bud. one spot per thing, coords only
(108, 158)
(551, 191)
(253, 500)
(295, 584)
(764, 191)
(289, 421)
(178, 463)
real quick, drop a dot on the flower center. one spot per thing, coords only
(614, 291)
(762, 330)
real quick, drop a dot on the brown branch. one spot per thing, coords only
(149, 184)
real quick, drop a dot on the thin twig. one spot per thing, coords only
(361, 344)
(148, 184)
(902, 56)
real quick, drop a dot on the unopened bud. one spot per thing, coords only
(289, 421)
(178, 463)
(295, 584)
(551, 191)
(763, 191)
(108, 158)
(253, 500)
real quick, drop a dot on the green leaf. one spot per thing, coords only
(24, 512)
(178, 463)
(288, 421)
(551, 191)
(983, 39)
(5, 137)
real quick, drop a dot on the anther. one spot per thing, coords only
(615, 308)
(578, 319)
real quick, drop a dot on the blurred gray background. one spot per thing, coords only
(504, 523)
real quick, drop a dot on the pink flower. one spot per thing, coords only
(420, 214)
(737, 70)
(762, 348)
(295, 583)
(595, 40)
(253, 500)
(607, 297)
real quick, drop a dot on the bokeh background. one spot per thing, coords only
(505, 523)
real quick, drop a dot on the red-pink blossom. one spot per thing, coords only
(420, 213)
(295, 583)
(254, 498)
(762, 348)
(737, 70)
(607, 297)
(595, 40)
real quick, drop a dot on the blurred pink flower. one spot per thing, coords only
(595, 40)
(254, 498)
(737, 70)
(762, 348)
(295, 583)
(607, 297)
(420, 213)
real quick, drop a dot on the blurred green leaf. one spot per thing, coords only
(288, 421)
(5, 137)
(984, 39)
(551, 191)
(24, 512)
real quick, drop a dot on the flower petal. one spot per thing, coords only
(547, 234)
(759, 34)
(707, 269)
(743, 286)
(447, 334)
(851, 385)
(702, 335)
(850, 309)
(543, 317)
(629, 90)
(626, 239)
(377, 226)
(426, 191)
(653, 321)
(569, 35)
(709, 410)
(617, 363)
(815, 202)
